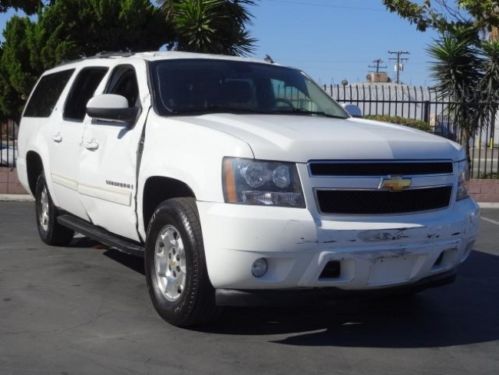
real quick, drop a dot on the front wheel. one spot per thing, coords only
(175, 265)
(51, 232)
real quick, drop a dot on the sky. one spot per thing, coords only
(333, 40)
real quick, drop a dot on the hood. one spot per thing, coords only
(304, 138)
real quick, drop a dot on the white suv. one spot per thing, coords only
(239, 181)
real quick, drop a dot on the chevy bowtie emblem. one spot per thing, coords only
(395, 184)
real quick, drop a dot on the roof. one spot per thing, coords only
(106, 57)
(165, 55)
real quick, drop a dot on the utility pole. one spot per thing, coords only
(399, 60)
(377, 65)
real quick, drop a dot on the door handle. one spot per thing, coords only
(57, 138)
(91, 145)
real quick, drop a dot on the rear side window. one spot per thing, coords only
(47, 93)
(82, 90)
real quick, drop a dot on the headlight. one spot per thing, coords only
(264, 183)
(462, 191)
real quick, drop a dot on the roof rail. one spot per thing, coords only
(106, 54)
(100, 55)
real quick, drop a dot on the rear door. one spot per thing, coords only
(109, 158)
(41, 121)
(66, 139)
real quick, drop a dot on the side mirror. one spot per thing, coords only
(352, 110)
(111, 107)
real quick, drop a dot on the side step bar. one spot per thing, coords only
(101, 235)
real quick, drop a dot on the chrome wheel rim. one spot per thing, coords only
(170, 263)
(43, 216)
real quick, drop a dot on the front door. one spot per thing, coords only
(109, 158)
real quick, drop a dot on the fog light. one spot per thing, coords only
(259, 267)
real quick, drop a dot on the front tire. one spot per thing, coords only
(175, 265)
(50, 231)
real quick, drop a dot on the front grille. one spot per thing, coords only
(382, 202)
(377, 168)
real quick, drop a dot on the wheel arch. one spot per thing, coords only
(158, 189)
(34, 167)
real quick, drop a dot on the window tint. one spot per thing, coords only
(124, 82)
(83, 89)
(197, 86)
(47, 93)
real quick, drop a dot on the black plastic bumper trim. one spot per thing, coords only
(296, 297)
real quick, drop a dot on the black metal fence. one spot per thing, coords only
(424, 105)
(8, 144)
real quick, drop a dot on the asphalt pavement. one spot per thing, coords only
(84, 309)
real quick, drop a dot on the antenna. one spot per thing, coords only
(269, 59)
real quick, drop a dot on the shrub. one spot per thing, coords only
(417, 124)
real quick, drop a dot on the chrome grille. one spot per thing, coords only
(358, 187)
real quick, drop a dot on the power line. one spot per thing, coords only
(399, 60)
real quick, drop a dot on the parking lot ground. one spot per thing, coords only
(85, 310)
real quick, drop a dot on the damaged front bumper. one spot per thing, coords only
(369, 253)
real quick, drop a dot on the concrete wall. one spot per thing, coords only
(484, 190)
(9, 184)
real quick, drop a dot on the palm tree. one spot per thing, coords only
(457, 71)
(489, 86)
(210, 26)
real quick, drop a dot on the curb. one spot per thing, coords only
(29, 198)
(488, 205)
(16, 198)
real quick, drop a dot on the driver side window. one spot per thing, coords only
(123, 82)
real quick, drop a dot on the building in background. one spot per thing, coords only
(380, 77)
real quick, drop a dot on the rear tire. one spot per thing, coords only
(175, 265)
(50, 231)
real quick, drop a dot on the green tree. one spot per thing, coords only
(210, 26)
(17, 74)
(69, 29)
(456, 69)
(489, 85)
(28, 6)
(443, 14)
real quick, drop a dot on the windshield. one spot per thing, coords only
(199, 86)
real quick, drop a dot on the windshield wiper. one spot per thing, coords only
(223, 109)
(297, 111)
(217, 109)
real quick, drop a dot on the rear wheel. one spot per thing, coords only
(50, 231)
(175, 265)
